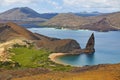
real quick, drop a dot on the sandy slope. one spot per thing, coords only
(4, 55)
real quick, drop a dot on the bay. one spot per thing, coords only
(107, 45)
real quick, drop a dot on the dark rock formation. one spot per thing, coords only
(88, 49)
(90, 45)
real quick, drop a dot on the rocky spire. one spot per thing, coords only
(90, 45)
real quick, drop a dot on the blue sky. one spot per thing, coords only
(48, 6)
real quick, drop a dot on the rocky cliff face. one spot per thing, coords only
(90, 45)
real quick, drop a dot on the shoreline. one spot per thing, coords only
(53, 57)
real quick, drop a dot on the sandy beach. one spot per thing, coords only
(53, 57)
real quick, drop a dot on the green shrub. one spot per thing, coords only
(18, 45)
(35, 58)
(9, 65)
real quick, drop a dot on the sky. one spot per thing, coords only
(63, 6)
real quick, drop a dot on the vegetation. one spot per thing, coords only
(9, 65)
(32, 58)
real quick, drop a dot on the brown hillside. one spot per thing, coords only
(102, 25)
(98, 23)
(21, 14)
(11, 31)
(114, 19)
(67, 20)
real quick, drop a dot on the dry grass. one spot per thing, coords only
(96, 75)
(107, 72)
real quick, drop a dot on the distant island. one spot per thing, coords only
(105, 22)
(95, 22)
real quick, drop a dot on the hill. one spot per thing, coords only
(21, 14)
(102, 25)
(11, 31)
(71, 21)
(67, 20)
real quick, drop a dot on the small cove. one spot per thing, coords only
(107, 45)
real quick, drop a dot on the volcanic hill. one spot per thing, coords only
(21, 14)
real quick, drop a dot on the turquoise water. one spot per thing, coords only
(107, 45)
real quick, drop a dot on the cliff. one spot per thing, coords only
(90, 45)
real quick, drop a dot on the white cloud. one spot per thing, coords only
(15, 2)
(64, 5)
(92, 3)
(55, 4)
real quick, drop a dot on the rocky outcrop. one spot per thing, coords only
(90, 45)
(63, 46)
(88, 49)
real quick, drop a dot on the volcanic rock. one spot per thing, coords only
(90, 45)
